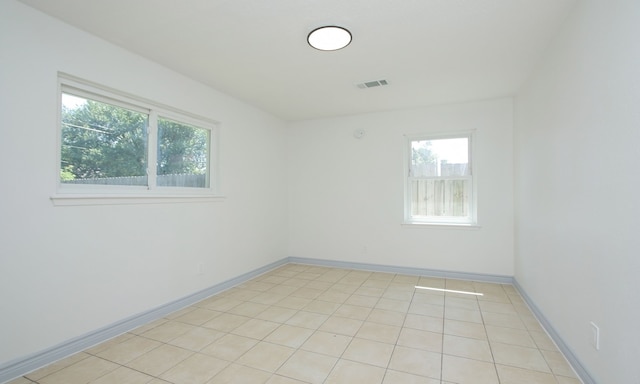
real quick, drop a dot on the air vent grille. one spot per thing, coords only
(372, 84)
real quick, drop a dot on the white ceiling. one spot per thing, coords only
(430, 51)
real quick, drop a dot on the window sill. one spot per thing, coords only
(418, 224)
(124, 199)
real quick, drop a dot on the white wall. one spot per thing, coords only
(65, 271)
(577, 183)
(346, 195)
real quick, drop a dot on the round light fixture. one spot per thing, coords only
(329, 38)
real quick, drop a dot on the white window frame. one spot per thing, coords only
(88, 194)
(469, 221)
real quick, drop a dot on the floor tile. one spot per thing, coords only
(466, 347)
(503, 320)
(327, 343)
(234, 374)
(467, 371)
(116, 340)
(543, 341)
(307, 293)
(221, 304)
(393, 305)
(428, 297)
(462, 303)
(513, 375)
(129, 349)
(309, 320)
(81, 372)
(424, 323)
(418, 339)
(323, 307)
(399, 294)
(167, 331)
(248, 309)
(267, 298)
(196, 369)
(289, 336)
(353, 312)
(416, 361)
(351, 372)
(395, 377)
(159, 360)
(460, 314)
(243, 294)
(229, 347)
(277, 379)
(568, 380)
(198, 316)
(124, 375)
(521, 357)
(226, 322)
(341, 325)
(491, 306)
(388, 317)
(256, 329)
(426, 310)
(197, 338)
(371, 291)
(363, 301)
(334, 297)
(308, 367)
(294, 302)
(379, 332)
(58, 365)
(510, 336)
(558, 363)
(276, 314)
(465, 329)
(266, 356)
(369, 352)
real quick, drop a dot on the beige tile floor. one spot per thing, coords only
(311, 324)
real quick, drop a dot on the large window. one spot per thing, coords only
(439, 185)
(114, 143)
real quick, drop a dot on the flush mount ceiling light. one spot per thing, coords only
(329, 38)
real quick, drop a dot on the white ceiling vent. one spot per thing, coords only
(372, 84)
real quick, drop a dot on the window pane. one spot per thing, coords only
(437, 197)
(441, 157)
(102, 143)
(183, 155)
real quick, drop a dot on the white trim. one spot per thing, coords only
(124, 199)
(421, 224)
(152, 150)
(472, 219)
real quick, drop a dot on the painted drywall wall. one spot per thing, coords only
(65, 271)
(346, 194)
(577, 221)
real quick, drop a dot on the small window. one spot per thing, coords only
(113, 143)
(440, 185)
